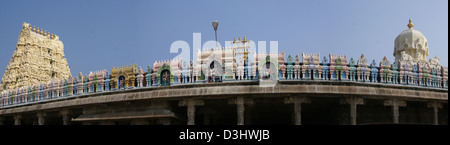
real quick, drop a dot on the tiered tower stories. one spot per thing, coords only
(39, 58)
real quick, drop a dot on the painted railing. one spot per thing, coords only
(70, 87)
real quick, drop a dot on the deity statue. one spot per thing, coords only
(325, 68)
(352, 70)
(140, 77)
(289, 67)
(405, 57)
(374, 72)
(148, 76)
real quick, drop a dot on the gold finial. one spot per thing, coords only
(245, 39)
(410, 25)
(42, 30)
(45, 32)
(37, 30)
(239, 38)
(34, 28)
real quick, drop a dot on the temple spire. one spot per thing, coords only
(410, 25)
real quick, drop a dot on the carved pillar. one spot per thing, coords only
(191, 114)
(297, 101)
(191, 103)
(395, 104)
(240, 102)
(41, 118)
(65, 116)
(353, 102)
(436, 106)
(17, 119)
(240, 110)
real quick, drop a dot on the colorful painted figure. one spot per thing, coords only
(311, 68)
(416, 74)
(297, 67)
(395, 73)
(289, 67)
(325, 69)
(363, 72)
(385, 70)
(338, 67)
(373, 72)
(352, 70)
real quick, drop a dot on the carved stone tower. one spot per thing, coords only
(411, 44)
(39, 57)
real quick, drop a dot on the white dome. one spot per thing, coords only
(412, 43)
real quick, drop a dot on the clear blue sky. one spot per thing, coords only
(102, 34)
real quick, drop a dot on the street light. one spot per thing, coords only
(215, 24)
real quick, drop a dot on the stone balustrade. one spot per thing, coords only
(398, 74)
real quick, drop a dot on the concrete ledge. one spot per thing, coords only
(247, 88)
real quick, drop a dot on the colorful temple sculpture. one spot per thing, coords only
(97, 81)
(352, 70)
(325, 69)
(297, 67)
(395, 73)
(311, 68)
(362, 70)
(405, 71)
(445, 77)
(140, 77)
(373, 72)
(123, 77)
(290, 67)
(415, 72)
(166, 72)
(51, 78)
(338, 67)
(385, 70)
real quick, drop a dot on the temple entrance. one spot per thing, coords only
(165, 78)
(121, 82)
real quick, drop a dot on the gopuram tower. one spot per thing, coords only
(39, 58)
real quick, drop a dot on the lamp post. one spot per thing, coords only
(215, 24)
